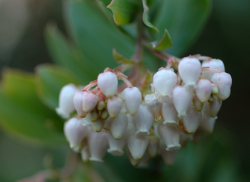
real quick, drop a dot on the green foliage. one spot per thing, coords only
(164, 43)
(145, 16)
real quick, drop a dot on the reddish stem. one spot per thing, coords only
(90, 85)
(211, 69)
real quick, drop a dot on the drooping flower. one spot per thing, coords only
(114, 106)
(78, 98)
(192, 120)
(116, 146)
(89, 102)
(108, 83)
(213, 63)
(119, 125)
(154, 105)
(137, 144)
(169, 113)
(203, 90)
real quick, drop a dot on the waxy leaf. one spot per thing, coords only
(164, 43)
(120, 59)
(145, 16)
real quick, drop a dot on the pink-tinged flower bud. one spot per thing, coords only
(78, 98)
(168, 156)
(190, 70)
(98, 125)
(185, 138)
(154, 106)
(203, 90)
(119, 125)
(132, 99)
(98, 145)
(75, 132)
(114, 106)
(87, 120)
(66, 105)
(213, 63)
(164, 81)
(214, 107)
(153, 146)
(137, 144)
(85, 154)
(116, 146)
(224, 82)
(182, 98)
(197, 103)
(108, 83)
(207, 123)
(170, 134)
(169, 113)
(143, 120)
(133, 161)
(192, 120)
(89, 102)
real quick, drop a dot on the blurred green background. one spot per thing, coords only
(222, 156)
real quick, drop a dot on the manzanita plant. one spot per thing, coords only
(119, 88)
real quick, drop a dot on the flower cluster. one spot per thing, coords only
(111, 116)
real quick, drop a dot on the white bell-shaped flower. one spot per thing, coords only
(108, 83)
(114, 106)
(78, 98)
(85, 153)
(106, 127)
(153, 146)
(185, 138)
(87, 120)
(131, 127)
(203, 90)
(133, 161)
(89, 101)
(205, 110)
(154, 105)
(119, 125)
(75, 132)
(197, 103)
(164, 81)
(182, 98)
(207, 123)
(132, 98)
(168, 156)
(213, 63)
(98, 145)
(66, 105)
(214, 107)
(143, 120)
(189, 70)
(170, 134)
(98, 125)
(224, 82)
(137, 144)
(169, 113)
(192, 120)
(116, 146)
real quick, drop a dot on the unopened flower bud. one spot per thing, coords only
(104, 114)
(133, 161)
(203, 90)
(192, 120)
(119, 125)
(182, 98)
(143, 120)
(168, 156)
(66, 105)
(224, 82)
(210, 99)
(132, 98)
(108, 83)
(153, 146)
(215, 90)
(207, 123)
(169, 113)
(101, 105)
(89, 102)
(87, 120)
(85, 153)
(197, 103)
(78, 98)
(170, 134)
(98, 125)
(114, 106)
(164, 81)
(213, 63)
(116, 146)
(154, 105)
(93, 115)
(189, 69)
(75, 132)
(98, 145)
(137, 144)
(214, 107)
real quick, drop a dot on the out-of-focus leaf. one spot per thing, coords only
(66, 55)
(145, 16)
(121, 59)
(164, 43)
(183, 19)
(49, 81)
(123, 11)
(23, 115)
(95, 35)
(146, 80)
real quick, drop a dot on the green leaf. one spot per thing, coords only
(123, 11)
(95, 35)
(146, 15)
(164, 43)
(120, 59)
(184, 20)
(66, 55)
(23, 115)
(49, 81)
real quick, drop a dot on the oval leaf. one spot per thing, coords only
(120, 59)
(145, 16)
(162, 44)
